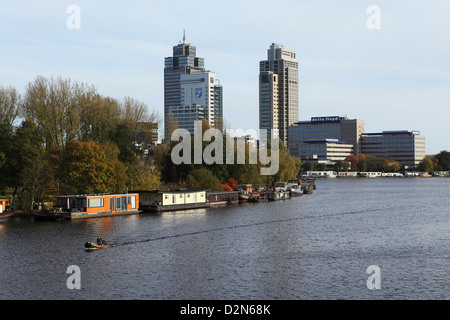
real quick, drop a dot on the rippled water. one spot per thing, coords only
(316, 246)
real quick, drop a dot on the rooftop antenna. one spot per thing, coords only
(184, 35)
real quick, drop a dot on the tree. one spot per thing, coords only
(99, 118)
(443, 160)
(426, 165)
(309, 166)
(29, 157)
(391, 166)
(9, 105)
(362, 165)
(124, 136)
(353, 160)
(144, 176)
(230, 185)
(87, 170)
(342, 166)
(202, 178)
(55, 105)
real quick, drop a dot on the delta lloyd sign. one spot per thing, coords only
(213, 153)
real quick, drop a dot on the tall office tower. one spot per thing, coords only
(278, 91)
(190, 91)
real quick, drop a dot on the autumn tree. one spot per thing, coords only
(87, 169)
(56, 105)
(144, 176)
(353, 160)
(391, 165)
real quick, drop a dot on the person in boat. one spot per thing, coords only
(99, 240)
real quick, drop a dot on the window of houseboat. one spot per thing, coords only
(95, 203)
(132, 201)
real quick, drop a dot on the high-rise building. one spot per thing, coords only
(191, 92)
(278, 91)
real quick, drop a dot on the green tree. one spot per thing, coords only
(202, 178)
(426, 165)
(29, 156)
(342, 166)
(362, 165)
(443, 160)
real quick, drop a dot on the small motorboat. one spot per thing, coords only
(94, 246)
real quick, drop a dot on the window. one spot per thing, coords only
(96, 203)
(118, 203)
(132, 201)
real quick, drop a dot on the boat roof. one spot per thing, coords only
(96, 195)
(190, 190)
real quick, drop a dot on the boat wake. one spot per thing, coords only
(187, 234)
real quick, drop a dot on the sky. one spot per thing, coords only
(394, 77)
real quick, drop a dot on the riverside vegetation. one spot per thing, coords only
(64, 137)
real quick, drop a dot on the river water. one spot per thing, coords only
(316, 246)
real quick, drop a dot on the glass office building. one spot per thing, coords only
(405, 146)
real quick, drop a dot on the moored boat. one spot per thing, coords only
(278, 195)
(296, 190)
(6, 211)
(425, 175)
(54, 214)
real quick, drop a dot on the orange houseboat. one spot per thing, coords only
(98, 205)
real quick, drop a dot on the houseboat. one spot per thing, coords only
(370, 174)
(391, 174)
(182, 199)
(97, 205)
(321, 174)
(274, 195)
(347, 174)
(5, 210)
(222, 197)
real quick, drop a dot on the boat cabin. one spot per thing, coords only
(3, 204)
(223, 197)
(159, 200)
(88, 206)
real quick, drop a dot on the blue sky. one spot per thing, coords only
(395, 78)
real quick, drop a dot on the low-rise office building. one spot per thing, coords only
(405, 146)
(345, 130)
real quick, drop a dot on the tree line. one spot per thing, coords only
(63, 137)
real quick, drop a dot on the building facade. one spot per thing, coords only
(326, 150)
(347, 131)
(278, 91)
(189, 86)
(406, 146)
